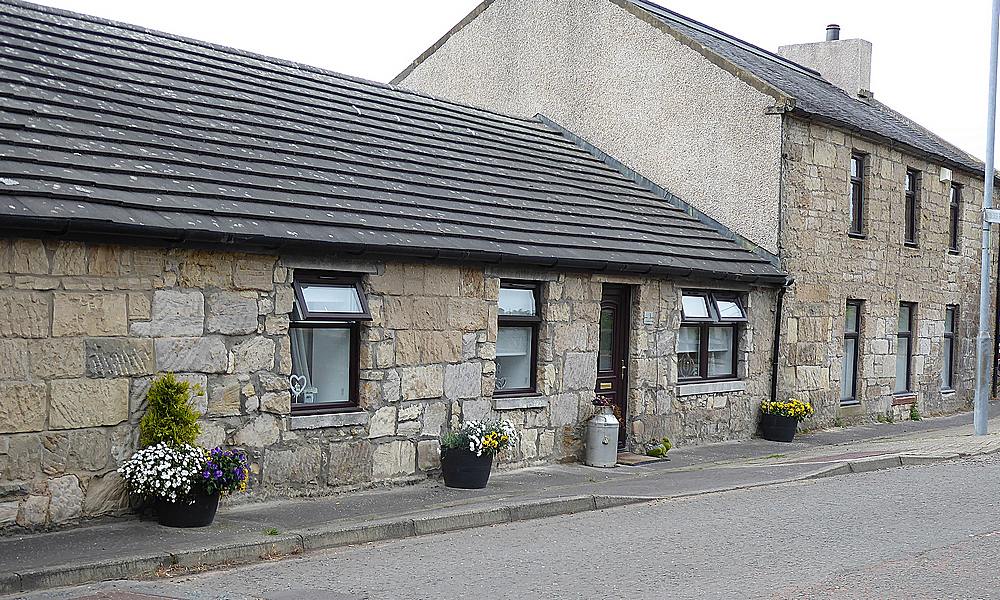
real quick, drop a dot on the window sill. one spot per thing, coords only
(954, 252)
(520, 402)
(849, 403)
(948, 391)
(711, 387)
(341, 419)
(903, 398)
(912, 245)
(857, 236)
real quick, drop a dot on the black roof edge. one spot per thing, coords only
(100, 231)
(645, 183)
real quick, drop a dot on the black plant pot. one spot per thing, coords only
(463, 469)
(778, 428)
(181, 514)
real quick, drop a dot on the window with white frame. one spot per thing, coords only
(324, 332)
(708, 338)
(518, 317)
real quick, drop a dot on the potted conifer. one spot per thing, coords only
(181, 480)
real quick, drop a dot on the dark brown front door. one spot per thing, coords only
(612, 355)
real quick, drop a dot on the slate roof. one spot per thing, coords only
(813, 95)
(110, 128)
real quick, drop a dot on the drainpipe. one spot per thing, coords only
(779, 315)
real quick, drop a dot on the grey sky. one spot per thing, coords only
(929, 58)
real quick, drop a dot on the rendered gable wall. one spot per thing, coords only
(631, 89)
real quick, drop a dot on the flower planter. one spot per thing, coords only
(180, 514)
(463, 469)
(778, 428)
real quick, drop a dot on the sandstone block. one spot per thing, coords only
(428, 455)
(76, 403)
(284, 299)
(13, 359)
(350, 462)
(564, 410)
(29, 256)
(579, 371)
(56, 357)
(475, 410)
(417, 383)
(255, 354)
(206, 269)
(391, 387)
(69, 258)
(393, 459)
(192, 354)
(118, 357)
(93, 314)
(467, 314)
(254, 274)
(22, 407)
(140, 307)
(463, 380)
(75, 450)
(174, 313)
(105, 495)
(435, 417)
(22, 458)
(212, 434)
(24, 314)
(258, 433)
(232, 314)
(279, 403)
(382, 422)
(66, 502)
(224, 398)
(34, 512)
(297, 466)
(8, 513)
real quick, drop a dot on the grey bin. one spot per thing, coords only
(602, 439)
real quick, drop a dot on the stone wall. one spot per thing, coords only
(830, 267)
(84, 328)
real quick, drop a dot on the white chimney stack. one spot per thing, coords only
(846, 64)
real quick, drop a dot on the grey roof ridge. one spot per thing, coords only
(705, 28)
(647, 184)
(265, 58)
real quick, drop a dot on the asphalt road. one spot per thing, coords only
(930, 532)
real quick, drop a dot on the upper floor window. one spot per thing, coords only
(911, 211)
(852, 353)
(518, 317)
(954, 206)
(904, 346)
(708, 338)
(324, 332)
(857, 194)
(948, 358)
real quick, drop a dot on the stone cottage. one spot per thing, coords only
(348, 269)
(874, 217)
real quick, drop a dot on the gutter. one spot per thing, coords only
(79, 230)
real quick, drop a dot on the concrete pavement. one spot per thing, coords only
(134, 548)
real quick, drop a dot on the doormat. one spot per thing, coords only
(630, 459)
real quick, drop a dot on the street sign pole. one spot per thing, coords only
(984, 360)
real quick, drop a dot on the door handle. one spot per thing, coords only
(623, 369)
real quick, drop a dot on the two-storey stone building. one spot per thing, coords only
(347, 269)
(875, 218)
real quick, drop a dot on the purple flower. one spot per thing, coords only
(205, 474)
(218, 474)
